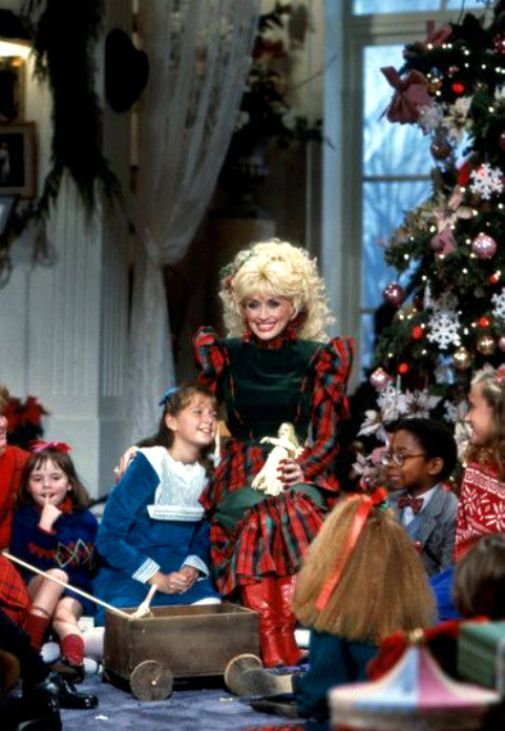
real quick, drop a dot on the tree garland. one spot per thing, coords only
(65, 33)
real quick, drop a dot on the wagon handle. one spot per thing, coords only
(143, 608)
(85, 594)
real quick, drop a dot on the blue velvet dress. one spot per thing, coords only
(153, 522)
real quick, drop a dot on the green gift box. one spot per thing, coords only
(481, 654)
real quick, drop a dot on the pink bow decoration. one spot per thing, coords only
(446, 215)
(436, 37)
(39, 445)
(411, 94)
(444, 242)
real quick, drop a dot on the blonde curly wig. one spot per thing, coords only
(383, 587)
(279, 269)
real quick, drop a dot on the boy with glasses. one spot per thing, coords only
(421, 455)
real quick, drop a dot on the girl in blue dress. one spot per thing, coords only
(153, 530)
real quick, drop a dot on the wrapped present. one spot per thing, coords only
(481, 654)
(414, 694)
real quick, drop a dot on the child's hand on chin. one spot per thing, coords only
(49, 516)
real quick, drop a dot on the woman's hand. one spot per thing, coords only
(290, 473)
(124, 461)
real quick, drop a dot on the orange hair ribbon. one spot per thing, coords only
(367, 502)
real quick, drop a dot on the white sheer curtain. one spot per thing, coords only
(199, 56)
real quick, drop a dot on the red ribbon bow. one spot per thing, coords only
(367, 502)
(411, 94)
(39, 445)
(407, 501)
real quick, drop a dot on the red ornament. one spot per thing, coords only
(417, 332)
(464, 173)
(494, 278)
(484, 322)
(394, 294)
(499, 44)
(403, 368)
(440, 149)
(458, 87)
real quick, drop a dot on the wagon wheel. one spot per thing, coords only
(243, 673)
(150, 681)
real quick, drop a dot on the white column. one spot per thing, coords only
(68, 321)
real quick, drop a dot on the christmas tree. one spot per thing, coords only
(450, 251)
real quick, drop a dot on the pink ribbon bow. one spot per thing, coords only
(436, 37)
(39, 445)
(411, 94)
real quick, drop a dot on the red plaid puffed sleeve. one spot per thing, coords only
(210, 357)
(332, 368)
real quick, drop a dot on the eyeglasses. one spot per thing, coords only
(399, 457)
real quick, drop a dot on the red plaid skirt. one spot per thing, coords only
(270, 539)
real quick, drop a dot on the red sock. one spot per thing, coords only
(36, 626)
(72, 649)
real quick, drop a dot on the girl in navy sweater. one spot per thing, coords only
(54, 531)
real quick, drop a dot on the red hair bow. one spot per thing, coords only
(367, 502)
(39, 445)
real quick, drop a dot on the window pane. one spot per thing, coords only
(375, 7)
(388, 149)
(384, 207)
(458, 5)
(367, 340)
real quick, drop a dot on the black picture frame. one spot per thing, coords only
(7, 207)
(17, 160)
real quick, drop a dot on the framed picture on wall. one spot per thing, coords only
(12, 75)
(17, 160)
(7, 206)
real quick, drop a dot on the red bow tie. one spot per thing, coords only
(407, 501)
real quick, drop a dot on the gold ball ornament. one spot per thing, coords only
(486, 345)
(462, 359)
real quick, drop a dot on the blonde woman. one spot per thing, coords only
(276, 366)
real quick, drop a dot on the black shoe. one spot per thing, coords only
(283, 704)
(74, 673)
(64, 692)
(40, 713)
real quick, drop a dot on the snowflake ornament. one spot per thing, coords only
(444, 328)
(499, 304)
(486, 181)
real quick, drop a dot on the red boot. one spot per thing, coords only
(290, 651)
(258, 597)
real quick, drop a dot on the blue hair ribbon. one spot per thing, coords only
(167, 396)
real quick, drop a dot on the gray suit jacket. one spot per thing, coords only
(434, 528)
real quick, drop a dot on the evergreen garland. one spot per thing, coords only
(65, 33)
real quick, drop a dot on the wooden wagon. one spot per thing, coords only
(176, 642)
